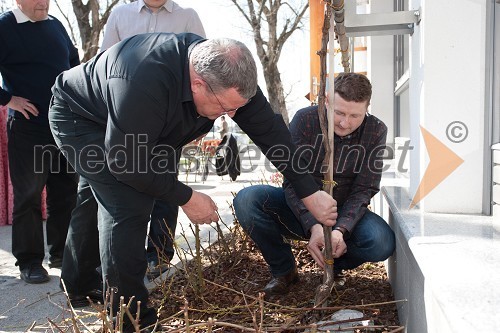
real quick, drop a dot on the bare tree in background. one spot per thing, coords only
(91, 17)
(272, 22)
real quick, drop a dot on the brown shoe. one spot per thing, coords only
(281, 285)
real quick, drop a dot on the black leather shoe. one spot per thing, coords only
(34, 273)
(55, 263)
(281, 285)
(80, 301)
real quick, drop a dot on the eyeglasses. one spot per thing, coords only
(223, 108)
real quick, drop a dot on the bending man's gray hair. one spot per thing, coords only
(226, 63)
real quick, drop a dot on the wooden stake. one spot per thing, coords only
(326, 120)
(324, 289)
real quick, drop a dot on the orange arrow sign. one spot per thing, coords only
(442, 162)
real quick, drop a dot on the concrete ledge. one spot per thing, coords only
(446, 266)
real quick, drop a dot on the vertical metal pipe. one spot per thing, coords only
(351, 48)
(398, 71)
(492, 97)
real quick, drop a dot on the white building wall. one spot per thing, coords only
(447, 84)
(381, 74)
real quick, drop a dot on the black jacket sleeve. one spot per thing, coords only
(133, 130)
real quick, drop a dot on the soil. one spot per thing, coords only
(221, 293)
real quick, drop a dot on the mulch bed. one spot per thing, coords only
(221, 293)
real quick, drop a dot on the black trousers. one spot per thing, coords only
(123, 212)
(36, 162)
(162, 231)
(81, 256)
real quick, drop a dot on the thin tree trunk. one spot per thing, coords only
(91, 20)
(263, 18)
(275, 91)
(338, 7)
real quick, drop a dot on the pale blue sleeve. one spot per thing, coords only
(111, 36)
(195, 26)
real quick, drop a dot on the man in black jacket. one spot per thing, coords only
(121, 118)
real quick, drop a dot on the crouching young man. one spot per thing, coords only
(269, 214)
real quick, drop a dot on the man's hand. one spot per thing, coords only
(317, 244)
(322, 206)
(201, 209)
(22, 105)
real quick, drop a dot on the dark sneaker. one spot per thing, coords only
(34, 274)
(55, 263)
(156, 269)
(80, 301)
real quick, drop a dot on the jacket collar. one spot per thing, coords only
(187, 94)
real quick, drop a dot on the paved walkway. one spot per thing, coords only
(24, 306)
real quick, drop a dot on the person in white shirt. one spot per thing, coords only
(127, 20)
(143, 16)
(146, 16)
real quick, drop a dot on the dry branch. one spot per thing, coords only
(232, 303)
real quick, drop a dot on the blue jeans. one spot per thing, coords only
(263, 213)
(123, 215)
